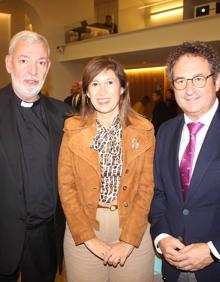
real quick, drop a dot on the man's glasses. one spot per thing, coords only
(198, 81)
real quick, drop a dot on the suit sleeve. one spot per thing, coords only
(158, 209)
(77, 219)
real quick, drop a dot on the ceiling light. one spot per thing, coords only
(154, 4)
(145, 69)
(166, 13)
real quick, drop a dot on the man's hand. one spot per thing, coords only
(170, 247)
(118, 254)
(193, 257)
(97, 247)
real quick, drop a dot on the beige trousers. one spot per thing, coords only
(83, 266)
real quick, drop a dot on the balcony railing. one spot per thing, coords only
(128, 18)
(88, 29)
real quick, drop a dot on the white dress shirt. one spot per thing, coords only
(200, 136)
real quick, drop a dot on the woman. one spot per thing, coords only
(106, 182)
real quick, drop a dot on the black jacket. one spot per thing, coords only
(12, 204)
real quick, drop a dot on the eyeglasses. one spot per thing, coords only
(198, 81)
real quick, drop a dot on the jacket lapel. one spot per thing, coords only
(55, 124)
(55, 130)
(173, 154)
(207, 154)
(80, 145)
(134, 143)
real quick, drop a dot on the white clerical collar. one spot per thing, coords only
(26, 105)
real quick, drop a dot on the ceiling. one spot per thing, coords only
(146, 58)
(150, 58)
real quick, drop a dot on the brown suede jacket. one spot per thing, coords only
(79, 178)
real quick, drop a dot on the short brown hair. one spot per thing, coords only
(91, 70)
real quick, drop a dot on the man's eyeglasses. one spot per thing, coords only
(198, 81)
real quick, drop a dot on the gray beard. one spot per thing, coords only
(24, 91)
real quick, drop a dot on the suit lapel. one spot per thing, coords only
(55, 124)
(55, 130)
(207, 154)
(173, 154)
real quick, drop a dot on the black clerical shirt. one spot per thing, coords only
(35, 154)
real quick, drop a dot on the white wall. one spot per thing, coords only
(49, 17)
(145, 39)
(133, 17)
(54, 15)
(129, 16)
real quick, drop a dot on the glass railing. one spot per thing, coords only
(131, 17)
(88, 29)
(127, 16)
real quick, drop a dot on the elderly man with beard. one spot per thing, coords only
(31, 219)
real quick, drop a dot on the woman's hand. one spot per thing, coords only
(118, 253)
(97, 247)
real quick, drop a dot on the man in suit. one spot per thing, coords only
(31, 218)
(185, 210)
(159, 114)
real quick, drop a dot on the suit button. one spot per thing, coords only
(127, 171)
(124, 188)
(125, 204)
(185, 212)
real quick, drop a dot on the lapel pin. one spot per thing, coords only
(134, 143)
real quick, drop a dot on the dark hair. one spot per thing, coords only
(170, 90)
(196, 49)
(158, 93)
(145, 99)
(91, 70)
(108, 17)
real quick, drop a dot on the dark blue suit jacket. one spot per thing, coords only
(198, 217)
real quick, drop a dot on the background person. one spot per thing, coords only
(31, 218)
(106, 182)
(171, 104)
(159, 114)
(74, 100)
(186, 206)
(112, 27)
(141, 106)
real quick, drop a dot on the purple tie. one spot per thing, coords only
(187, 159)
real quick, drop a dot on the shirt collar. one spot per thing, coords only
(116, 124)
(26, 104)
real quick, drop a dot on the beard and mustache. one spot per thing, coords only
(27, 91)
